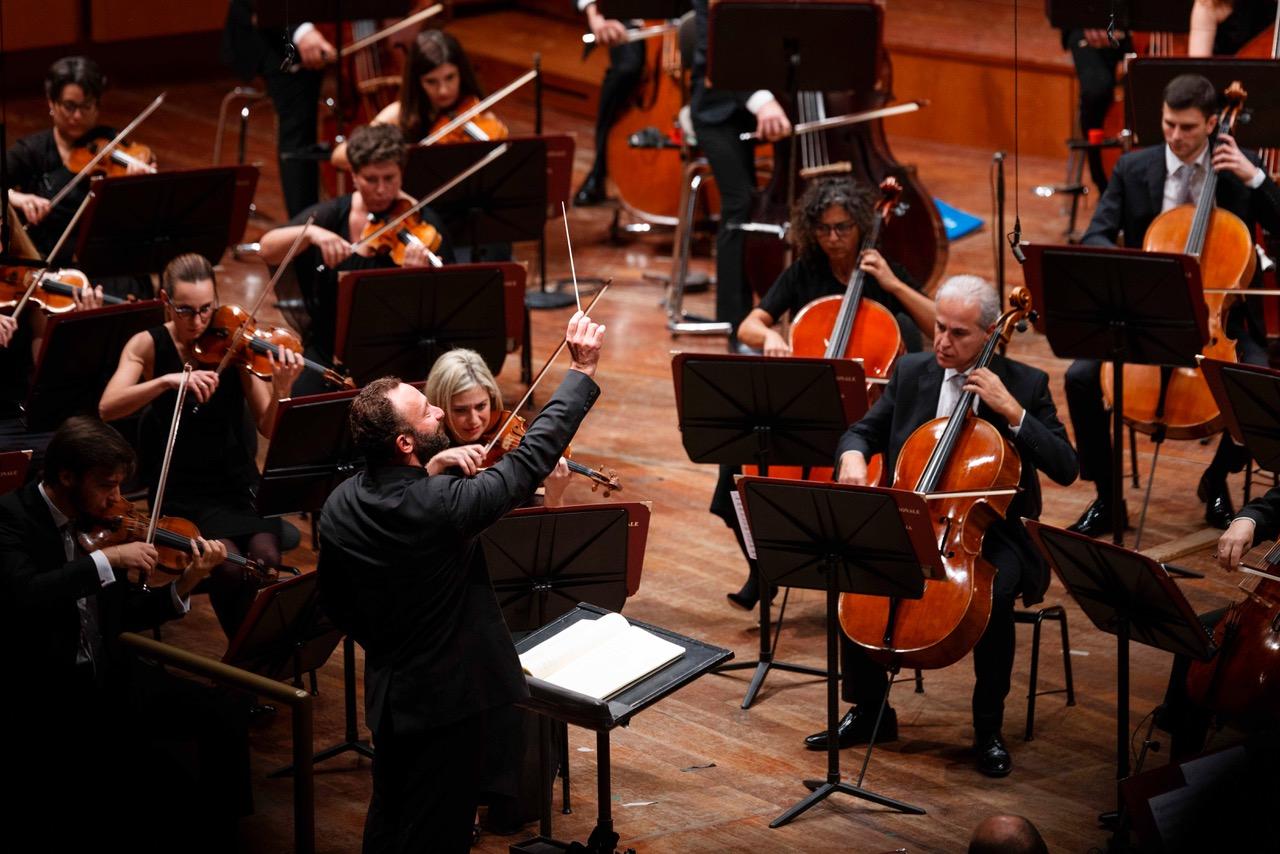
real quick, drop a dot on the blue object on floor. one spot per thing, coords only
(957, 222)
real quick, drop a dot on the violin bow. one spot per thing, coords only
(38, 277)
(568, 242)
(638, 34)
(361, 44)
(106, 149)
(564, 342)
(435, 194)
(848, 119)
(168, 457)
(471, 112)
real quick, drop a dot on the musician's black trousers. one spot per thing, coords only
(296, 97)
(733, 164)
(864, 681)
(626, 66)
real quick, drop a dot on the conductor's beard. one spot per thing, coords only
(427, 445)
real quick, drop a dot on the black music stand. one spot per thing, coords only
(78, 356)
(1165, 16)
(604, 715)
(1125, 306)
(543, 561)
(13, 469)
(1126, 594)
(400, 321)
(1259, 122)
(842, 539)
(1249, 397)
(650, 10)
(755, 410)
(137, 224)
(300, 472)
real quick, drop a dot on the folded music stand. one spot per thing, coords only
(755, 410)
(1126, 594)
(1165, 16)
(78, 357)
(1259, 123)
(137, 224)
(400, 321)
(543, 561)
(299, 472)
(1249, 397)
(602, 716)
(842, 539)
(1123, 306)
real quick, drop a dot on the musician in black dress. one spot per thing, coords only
(214, 466)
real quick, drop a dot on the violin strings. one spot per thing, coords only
(569, 243)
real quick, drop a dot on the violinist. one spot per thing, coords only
(73, 86)
(214, 466)
(1223, 27)
(1015, 399)
(472, 405)
(377, 159)
(402, 572)
(626, 68)
(1145, 183)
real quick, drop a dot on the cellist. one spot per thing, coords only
(1144, 184)
(1015, 399)
(1223, 27)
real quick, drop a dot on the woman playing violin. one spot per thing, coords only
(37, 163)
(472, 406)
(377, 158)
(214, 460)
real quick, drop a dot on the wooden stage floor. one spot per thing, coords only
(696, 772)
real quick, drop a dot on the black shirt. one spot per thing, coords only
(36, 167)
(810, 278)
(1247, 19)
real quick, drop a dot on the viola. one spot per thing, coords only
(1240, 679)
(121, 158)
(481, 128)
(1176, 402)
(233, 335)
(54, 293)
(175, 542)
(392, 242)
(513, 428)
(961, 454)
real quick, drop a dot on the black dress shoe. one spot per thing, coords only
(590, 193)
(1096, 519)
(993, 757)
(1218, 510)
(855, 728)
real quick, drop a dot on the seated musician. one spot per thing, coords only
(827, 225)
(214, 466)
(37, 163)
(625, 71)
(472, 404)
(1223, 27)
(1015, 399)
(1144, 184)
(377, 159)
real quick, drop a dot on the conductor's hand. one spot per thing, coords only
(467, 458)
(992, 390)
(853, 469)
(585, 337)
(34, 208)
(1235, 543)
(87, 298)
(334, 249)
(134, 560)
(608, 31)
(7, 327)
(772, 123)
(315, 50)
(1227, 157)
(285, 371)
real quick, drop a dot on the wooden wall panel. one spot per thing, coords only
(40, 23)
(116, 20)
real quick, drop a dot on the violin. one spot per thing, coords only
(122, 157)
(1176, 402)
(481, 128)
(392, 242)
(233, 335)
(54, 293)
(175, 542)
(959, 454)
(1240, 679)
(505, 434)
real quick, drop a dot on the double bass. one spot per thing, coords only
(966, 456)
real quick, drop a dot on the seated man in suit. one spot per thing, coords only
(1015, 399)
(402, 571)
(1145, 184)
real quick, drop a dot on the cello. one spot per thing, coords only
(1176, 402)
(969, 473)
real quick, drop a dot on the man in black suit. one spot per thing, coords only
(1144, 184)
(251, 51)
(1015, 399)
(61, 610)
(720, 116)
(402, 571)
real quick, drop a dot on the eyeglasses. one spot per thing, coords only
(73, 107)
(842, 229)
(186, 312)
